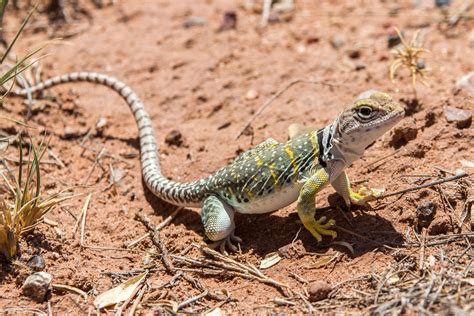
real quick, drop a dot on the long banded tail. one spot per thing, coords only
(182, 194)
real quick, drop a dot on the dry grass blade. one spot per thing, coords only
(24, 207)
(409, 57)
(19, 31)
(16, 121)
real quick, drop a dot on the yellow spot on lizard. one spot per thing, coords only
(271, 169)
(314, 142)
(259, 161)
(291, 155)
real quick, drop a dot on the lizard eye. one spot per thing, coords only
(364, 112)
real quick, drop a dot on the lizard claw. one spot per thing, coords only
(318, 229)
(365, 195)
(227, 242)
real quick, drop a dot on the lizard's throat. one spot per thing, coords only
(333, 147)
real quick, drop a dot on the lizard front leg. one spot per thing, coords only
(306, 206)
(218, 220)
(342, 186)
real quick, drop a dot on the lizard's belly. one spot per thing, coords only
(271, 202)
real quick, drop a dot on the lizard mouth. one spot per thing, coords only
(395, 116)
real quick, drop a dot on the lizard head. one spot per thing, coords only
(367, 119)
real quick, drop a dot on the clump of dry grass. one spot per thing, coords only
(409, 57)
(23, 207)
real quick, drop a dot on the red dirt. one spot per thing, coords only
(196, 80)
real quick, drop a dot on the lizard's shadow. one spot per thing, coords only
(265, 233)
(268, 233)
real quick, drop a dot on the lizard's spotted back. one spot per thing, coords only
(268, 176)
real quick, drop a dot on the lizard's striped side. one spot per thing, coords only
(181, 194)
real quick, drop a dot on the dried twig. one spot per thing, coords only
(82, 219)
(96, 162)
(55, 157)
(422, 251)
(158, 228)
(267, 6)
(137, 301)
(63, 287)
(223, 265)
(193, 299)
(129, 299)
(371, 169)
(426, 185)
(155, 235)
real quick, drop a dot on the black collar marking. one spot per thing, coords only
(321, 148)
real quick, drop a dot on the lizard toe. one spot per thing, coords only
(226, 243)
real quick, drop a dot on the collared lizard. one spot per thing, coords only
(268, 177)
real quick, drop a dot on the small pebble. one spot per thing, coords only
(421, 64)
(425, 213)
(193, 21)
(337, 41)
(174, 138)
(229, 21)
(442, 3)
(251, 94)
(393, 40)
(465, 83)
(56, 256)
(101, 123)
(318, 291)
(462, 118)
(282, 11)
(69, 132)
(354, 53)
(36, 263)
(311, 39)
(300, 48)
(37, 285)
(284, 6)
(274, 18)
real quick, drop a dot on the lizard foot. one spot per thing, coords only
(365, 195)
(226, 242)
(317, 228)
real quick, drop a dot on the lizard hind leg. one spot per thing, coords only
(218, 220)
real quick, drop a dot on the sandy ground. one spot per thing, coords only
(207, 84)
